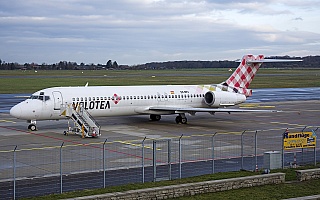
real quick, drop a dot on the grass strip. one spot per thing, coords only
(17, 81)
(261, 192)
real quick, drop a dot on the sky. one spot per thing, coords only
(139, 31)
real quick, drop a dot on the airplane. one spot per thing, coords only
(154, 100)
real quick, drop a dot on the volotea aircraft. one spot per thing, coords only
(81, 104)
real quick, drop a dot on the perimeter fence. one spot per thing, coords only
(58, 168)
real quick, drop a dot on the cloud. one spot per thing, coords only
(133, 32)
(298, 19)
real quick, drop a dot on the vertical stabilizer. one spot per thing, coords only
(241, 78)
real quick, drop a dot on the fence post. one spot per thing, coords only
(180, 157)
(143, 159)
(104, 163)
(282, 148)
(315, 148)
(302, 150)
(14, 172)
(213, 152)
(255, 150)
(154, 151)
(169, 158)
(61, 168)
(242, 149)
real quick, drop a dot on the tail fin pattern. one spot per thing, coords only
(241, 78)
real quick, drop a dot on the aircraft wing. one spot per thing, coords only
(192, 110)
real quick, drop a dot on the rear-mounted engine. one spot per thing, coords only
(209, 98)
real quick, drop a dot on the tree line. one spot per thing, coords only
(308, 62)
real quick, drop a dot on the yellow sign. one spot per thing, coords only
(299, 140)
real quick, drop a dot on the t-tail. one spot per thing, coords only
(241, 78)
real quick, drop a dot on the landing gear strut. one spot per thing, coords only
(155, 117)
(181, 118)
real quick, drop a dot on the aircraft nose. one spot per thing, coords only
(15, 111)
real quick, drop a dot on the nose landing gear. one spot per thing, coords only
(32, 126)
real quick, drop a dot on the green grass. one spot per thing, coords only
(287, 190)
(267, 192)
(29, 81)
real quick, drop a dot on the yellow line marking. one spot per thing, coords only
(288, 124)
(2, 120)
(266, 106)
(136, 145)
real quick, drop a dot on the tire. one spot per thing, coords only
(32, 127)
(178, 119)
(155, 117)
(184, 120)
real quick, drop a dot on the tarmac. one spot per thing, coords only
(294, 115)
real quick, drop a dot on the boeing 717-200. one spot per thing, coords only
(81, 104)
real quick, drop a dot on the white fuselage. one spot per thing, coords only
(47, 104)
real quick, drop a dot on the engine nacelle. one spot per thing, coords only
(209, 98)
(223, 98)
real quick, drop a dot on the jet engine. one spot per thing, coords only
(209, 98)
(222, 99)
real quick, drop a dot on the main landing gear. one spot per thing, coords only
(155, 117)
(180, 119)
(32, 126)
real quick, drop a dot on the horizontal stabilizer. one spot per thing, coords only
(270, 61)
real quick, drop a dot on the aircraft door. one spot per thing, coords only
(162, 98)
(57, 97)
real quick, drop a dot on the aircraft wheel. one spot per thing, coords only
(184, 120)
(178, 119)
(32, 127)
(155, 117)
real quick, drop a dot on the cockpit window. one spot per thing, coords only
(40, 97)
(34, 97)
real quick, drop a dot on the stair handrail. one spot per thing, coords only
(88, 115)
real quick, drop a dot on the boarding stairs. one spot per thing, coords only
(86, 125)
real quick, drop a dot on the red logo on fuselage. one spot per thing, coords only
(116, 99)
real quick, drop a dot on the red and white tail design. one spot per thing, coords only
(241, 78)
